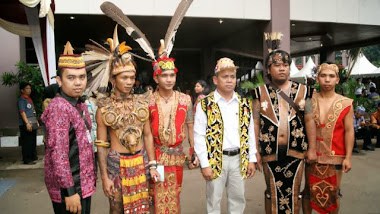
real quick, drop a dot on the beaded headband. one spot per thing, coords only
(332, 67)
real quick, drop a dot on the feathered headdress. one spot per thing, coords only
(273, 41)
(163, 62)
(102, 63)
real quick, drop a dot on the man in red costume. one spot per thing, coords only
(333, 115)
(171, 121)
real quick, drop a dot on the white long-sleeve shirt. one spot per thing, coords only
(231, 137)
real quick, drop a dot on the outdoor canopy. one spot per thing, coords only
(363, 68)
(35, 19)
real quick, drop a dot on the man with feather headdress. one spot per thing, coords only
(123, 118)
(171, 121)
(171, 115)
(285, 131)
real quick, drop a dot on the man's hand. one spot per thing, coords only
(194, 164)
(346, 165)
(259, 164)
(251, 170)
(207, 173)
(73, 203)
(29, 127)
(155, 175)
(311, 156)
(108, 187)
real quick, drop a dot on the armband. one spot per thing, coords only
(102, 143)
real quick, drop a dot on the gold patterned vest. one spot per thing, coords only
(127, 117)
(214, 133)
(269, 122)
(331, 147)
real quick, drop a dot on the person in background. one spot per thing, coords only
(149, 88)
(28, 124)
(49, 93)
(375, 97)
(92, 108)
(201, 90)
(361, 128)
(360, 88)
(375, 121)
(371, 84)
(137, 88)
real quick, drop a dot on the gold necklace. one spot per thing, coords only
(166, 99)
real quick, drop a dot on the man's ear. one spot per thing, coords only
(59, 81)
(155, 79)
(215, 79)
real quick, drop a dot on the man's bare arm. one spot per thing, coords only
(102, 152)
(349, 137)
(190, 133)
(256, 122)
(311, 132)
(148, 141)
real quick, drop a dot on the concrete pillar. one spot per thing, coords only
(303, 61)
(10, 44)
(344, 58)
(280, 22)
(208, 64)
(316, 59)
(327, 55)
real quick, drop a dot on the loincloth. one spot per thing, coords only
(283, 178)
(128, 172)
(324, 190)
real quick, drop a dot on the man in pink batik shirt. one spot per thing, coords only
(69, 157)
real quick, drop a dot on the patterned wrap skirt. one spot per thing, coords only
(128, 172)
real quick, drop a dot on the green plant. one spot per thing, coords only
(31, 74)
(258, 80)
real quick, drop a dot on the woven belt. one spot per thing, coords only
(232, 152)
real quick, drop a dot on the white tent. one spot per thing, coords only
(307, 70)
(293, 68)
(364, 68)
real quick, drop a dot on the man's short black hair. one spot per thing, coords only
(372, 89)
(59, 72)
(23, 85)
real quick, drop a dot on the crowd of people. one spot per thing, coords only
(135, 135)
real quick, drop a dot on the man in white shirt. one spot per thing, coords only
(225, 140)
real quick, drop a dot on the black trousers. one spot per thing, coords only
(366, 134)
(60, 208)
(376, 132)
(28, 141)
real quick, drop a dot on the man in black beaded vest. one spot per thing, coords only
(285, 133)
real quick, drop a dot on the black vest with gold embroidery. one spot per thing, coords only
(214, 133)
(269, 122)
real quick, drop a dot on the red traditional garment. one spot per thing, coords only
(331, 151)
(169, 150)
(323, 188)
(331, 147)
